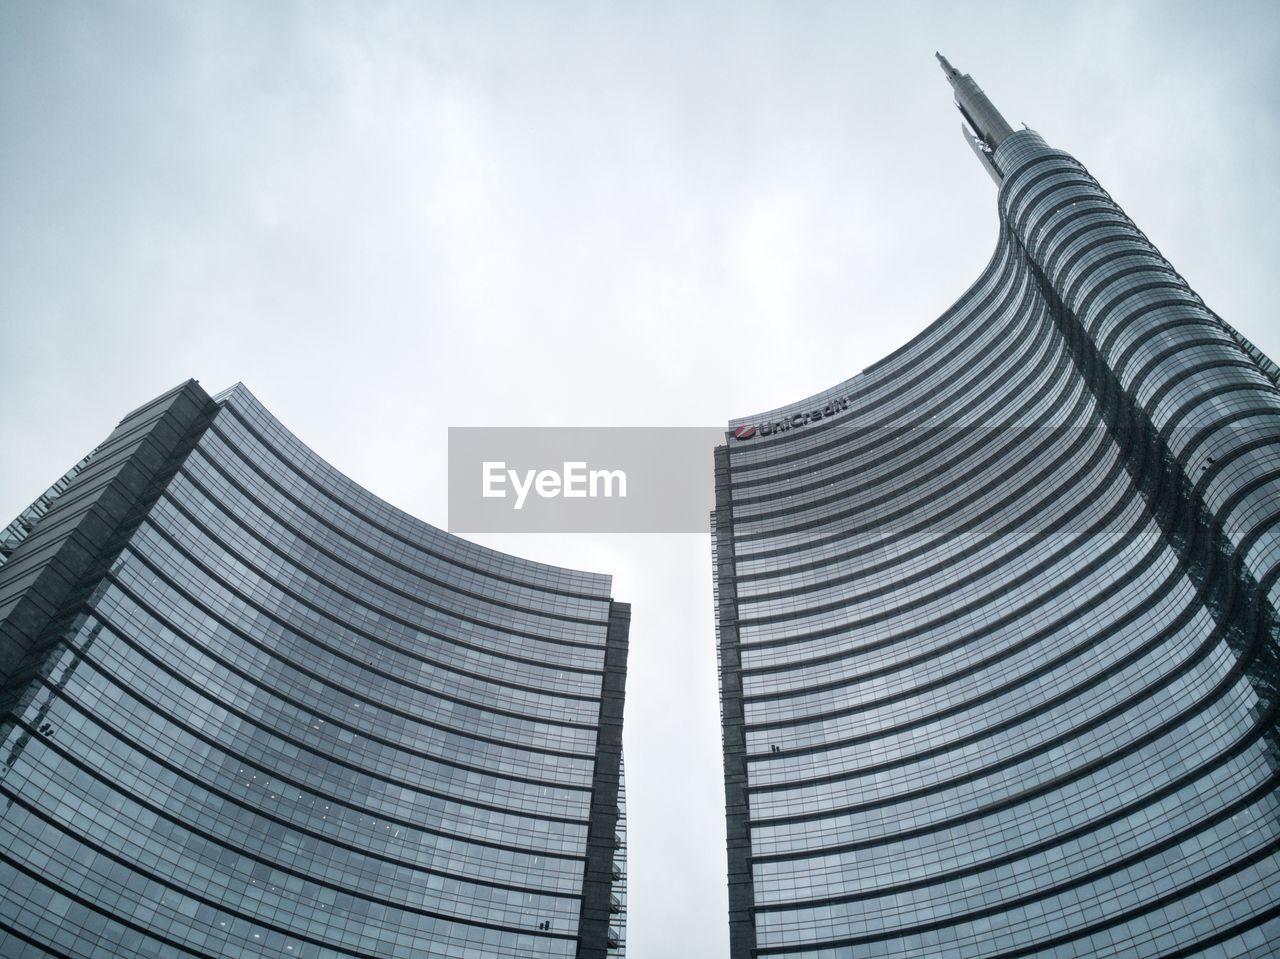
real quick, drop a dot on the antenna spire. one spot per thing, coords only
(985, 127)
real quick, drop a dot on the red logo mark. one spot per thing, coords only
(744, 432)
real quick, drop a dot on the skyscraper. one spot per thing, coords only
(249, 709)
(997, 616)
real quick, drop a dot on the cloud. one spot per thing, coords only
(390, 218)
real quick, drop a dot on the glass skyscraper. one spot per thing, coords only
(997, 616)
(249, 709)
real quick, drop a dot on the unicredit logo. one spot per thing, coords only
(795, 421)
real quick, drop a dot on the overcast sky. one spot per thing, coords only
(386, 219)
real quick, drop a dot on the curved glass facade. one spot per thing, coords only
(259, 712)
(996, 617)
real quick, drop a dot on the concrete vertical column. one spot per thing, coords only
(742, 934)
(597, 884)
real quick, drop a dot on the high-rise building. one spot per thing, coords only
(997, 616)
(249, 709)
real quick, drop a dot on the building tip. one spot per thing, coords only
(984, 121)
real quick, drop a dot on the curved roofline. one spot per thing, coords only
(453, 548)
(852, 385)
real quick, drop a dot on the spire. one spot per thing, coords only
(985, 127)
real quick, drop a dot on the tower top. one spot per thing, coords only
(984, 127)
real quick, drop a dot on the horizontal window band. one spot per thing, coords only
(1100, 214)
(1206, 882)
(196, 604)
(1237, 672)
(993, 693)
(215, 578)
(1153, 599)
(210, 902)
(1156, 279)
(1035, 191)
(313, 676)
(1200, 478)
(1028, 455)
(1252, 390)
(993, 565)
(111, 916)
(1012, 193)
(1111, 550)
(1086, 261)
(46, 949)
(1241, 493)
(1000, 509)
(1191, 314)
(1013, 190)
(1153, 263)
(298, 830)
(1257, 794)
(349, 508)
(208, 456)
(889, 448)
(1055, 390)
(338, 585)
(1203, 883)
(134, 551)
(1175, 380)
(234, 800)
(222, 749)
(1031, 338)
(1194, 342)
(1061, 238)
(157, 663)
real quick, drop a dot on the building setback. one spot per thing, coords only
(249, 709)
(997, 617)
